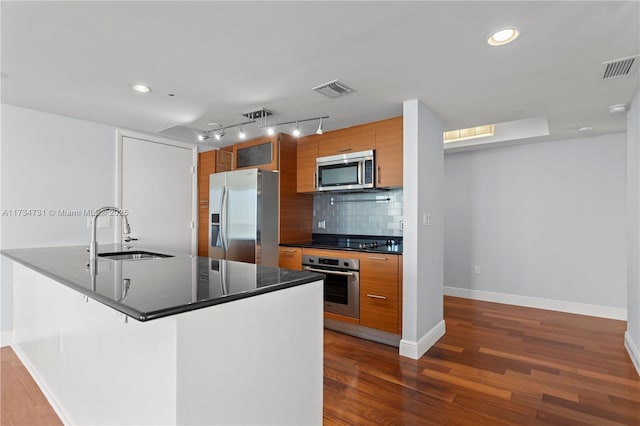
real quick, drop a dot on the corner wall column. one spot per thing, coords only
(423, 235)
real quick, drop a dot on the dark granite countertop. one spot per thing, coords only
(154, 288)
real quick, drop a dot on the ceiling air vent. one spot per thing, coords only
(620, 67)
(333, 89)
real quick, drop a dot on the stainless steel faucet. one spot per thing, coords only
(93, 246)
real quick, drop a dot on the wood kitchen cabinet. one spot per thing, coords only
(261, 153)
(389, 152)
(290, 258)
(306, 157)
(379, 292)
(351, 139)
(206, 166)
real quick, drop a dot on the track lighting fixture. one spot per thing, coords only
(296, 131)
(261, 114)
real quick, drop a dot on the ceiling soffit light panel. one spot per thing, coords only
(469, 133)
(333, 89)
(508, 131)
(503, 36)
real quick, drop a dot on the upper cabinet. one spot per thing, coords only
(389, 152)
(260, 152)
(307, 154)
(351, 139)
(385, 137)
(224, 159)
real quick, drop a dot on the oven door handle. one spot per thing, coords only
(329, 272)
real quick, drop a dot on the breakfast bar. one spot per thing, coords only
(168, 339)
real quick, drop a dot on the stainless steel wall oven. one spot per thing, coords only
(341, 285)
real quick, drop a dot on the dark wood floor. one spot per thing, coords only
(496, 365)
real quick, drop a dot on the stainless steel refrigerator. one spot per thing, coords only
(243, 216)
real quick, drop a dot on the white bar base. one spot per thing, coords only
(251, 361)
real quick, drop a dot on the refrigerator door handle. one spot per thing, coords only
(223, 219)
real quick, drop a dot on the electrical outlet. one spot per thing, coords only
(426, 219)
(476, 269)
(322, 224)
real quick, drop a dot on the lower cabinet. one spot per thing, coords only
(380, 285)
(379, 292)
(290, 258)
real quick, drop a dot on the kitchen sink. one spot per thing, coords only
(133, 255)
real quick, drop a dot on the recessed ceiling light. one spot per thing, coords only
(141, 88)
(503, 36)
(618, 108)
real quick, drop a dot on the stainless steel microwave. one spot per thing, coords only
(353, 170)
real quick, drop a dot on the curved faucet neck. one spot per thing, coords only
(93, 246)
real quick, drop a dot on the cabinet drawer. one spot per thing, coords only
(290, 258)
(379, 268)
(378, 307)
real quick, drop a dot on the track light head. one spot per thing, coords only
(296, 131)
(242, 134)
(319, 131)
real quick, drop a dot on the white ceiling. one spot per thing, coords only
(223, 59)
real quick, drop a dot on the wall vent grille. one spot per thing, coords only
(333, 89)
(620, 67)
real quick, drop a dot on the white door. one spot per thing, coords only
(158, 193)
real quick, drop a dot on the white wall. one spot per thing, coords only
(632, 336)
(544, 220)
(422, 322)
(50, 163)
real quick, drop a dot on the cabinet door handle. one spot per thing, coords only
(376, 258)
(378, 174)
(289, 250)
(344, 150)
(375, 296)
(315, 184)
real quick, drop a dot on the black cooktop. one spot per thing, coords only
(376, 244)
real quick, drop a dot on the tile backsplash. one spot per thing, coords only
(367, 213)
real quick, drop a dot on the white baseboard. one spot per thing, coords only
(540, 303)
(45, 391)
(633, 351)
(6, 338)
(415, 350)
